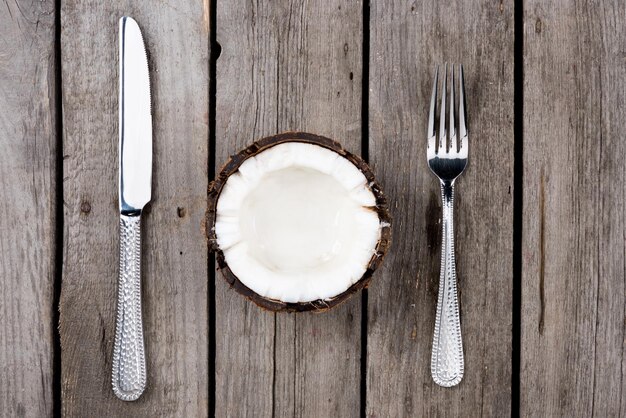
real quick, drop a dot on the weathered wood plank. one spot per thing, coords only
(287, 66)
(27, 204)
(174, 248)
(573, 296)
(407, 41)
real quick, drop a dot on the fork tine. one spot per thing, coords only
(462, 113)
(453, 145)
(442, 113)
(431, 134)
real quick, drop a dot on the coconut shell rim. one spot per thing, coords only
(232, 166)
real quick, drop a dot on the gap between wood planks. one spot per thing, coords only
(214, 53)
(518, 170)
(365, 147)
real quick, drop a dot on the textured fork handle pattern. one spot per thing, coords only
(447, 363)
(129, 361)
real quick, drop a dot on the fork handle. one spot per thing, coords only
(129, 361)
(447, 363)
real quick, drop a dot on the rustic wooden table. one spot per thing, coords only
(540, 210)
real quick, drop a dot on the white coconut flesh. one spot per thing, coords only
(295, 223)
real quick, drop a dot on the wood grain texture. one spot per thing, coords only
(407, 40)
(573, 301)
(27, 204)
(174, 248)
(288, 65)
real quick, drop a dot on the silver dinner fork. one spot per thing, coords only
(447, 158)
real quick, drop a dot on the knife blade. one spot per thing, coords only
(135, 177)
(135, 139)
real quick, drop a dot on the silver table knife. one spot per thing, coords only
(135, 176)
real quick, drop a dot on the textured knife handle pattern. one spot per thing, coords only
(129, 361)
(447, 363)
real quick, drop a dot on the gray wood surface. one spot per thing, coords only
(298, 65)
(287, 66)
(27, 207)
(174, 248)
(407, 41)
(573, 320)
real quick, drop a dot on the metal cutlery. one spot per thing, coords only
(447, 158)
(135, 177)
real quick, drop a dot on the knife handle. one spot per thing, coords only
(129, 360)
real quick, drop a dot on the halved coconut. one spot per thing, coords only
(297, 222)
